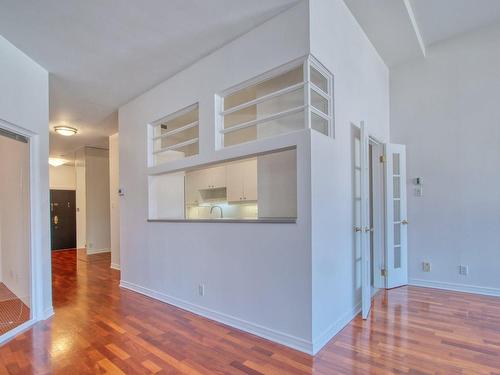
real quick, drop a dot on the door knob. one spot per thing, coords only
(404, 222)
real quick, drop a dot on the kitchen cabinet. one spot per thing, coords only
(241, 179)
(192, 182)
(210, 178)
(216, 177)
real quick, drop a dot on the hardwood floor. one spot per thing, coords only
(13, 311)
(99, 328)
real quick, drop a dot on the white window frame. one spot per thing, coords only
(152, 138)
(306, 85)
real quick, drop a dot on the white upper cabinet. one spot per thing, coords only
(211, 178)
(241, 180)
(216, 177)
(250, 180)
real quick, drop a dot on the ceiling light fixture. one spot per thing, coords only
(56, 162)
(67, 131)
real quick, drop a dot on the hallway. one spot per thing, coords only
(99, 328)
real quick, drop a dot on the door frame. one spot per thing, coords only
(51, 190)
(36, 250)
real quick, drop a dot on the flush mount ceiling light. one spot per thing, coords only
(56, 162)
(67, 131)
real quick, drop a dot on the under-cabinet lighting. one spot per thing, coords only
(57, 162)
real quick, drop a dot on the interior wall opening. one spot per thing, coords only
(15, 262)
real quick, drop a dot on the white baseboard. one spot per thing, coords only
(115, 266)
(335, 328)
(97, 251)
(7, 336)
(47, 313)
(456, 287)
(253, 328)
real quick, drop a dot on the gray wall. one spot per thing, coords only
(446, 110)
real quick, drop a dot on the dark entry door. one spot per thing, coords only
(62, 219)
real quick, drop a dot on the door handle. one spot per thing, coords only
(404, 222)
(368, 229)
(357, 229)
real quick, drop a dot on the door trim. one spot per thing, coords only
(38, 230)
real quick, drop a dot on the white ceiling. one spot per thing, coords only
(402, 30)
(101, 54)
(442, 19)
(388, 26)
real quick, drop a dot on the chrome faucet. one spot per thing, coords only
(220, 208)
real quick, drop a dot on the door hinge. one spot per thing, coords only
(382, 158)
(383, 272)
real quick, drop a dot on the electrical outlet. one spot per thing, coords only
(463, 270)
(201, 289)
(426, 266)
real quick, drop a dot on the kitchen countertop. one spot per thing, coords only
(226, 220)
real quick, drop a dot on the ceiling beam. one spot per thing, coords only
(413, 21)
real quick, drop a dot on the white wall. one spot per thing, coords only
(81, 201)
(97, 200)
(445, 109)
(62, 177)
(292, 283)
(256, 276)
(25, 109)
(114, 199)
(14, 218)
(361, 92)
(93, 212)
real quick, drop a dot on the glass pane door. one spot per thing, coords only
(397, 273)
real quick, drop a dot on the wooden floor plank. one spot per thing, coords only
(99, 328)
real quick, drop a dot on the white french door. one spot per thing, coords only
(396, 220)
(362, 228)
(366, 290)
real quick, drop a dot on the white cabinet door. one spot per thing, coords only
(216, 177)
(249, 169)
(207, 178)
(234, 180)
(193, 183)
(241, 181)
